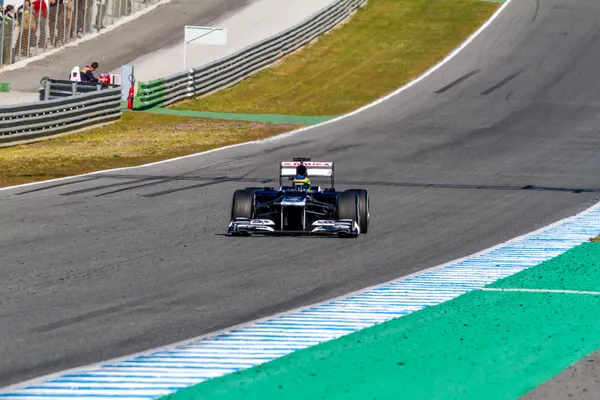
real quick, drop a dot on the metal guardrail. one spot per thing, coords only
(25, 122)
(51, 89)
(229, 70)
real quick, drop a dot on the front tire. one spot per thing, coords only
(347, 206)
(364, 211)
(242, 205)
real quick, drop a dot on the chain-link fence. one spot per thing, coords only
(41, 25)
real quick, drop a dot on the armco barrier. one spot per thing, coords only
(229, 70)
(51, 89)
(30, 121)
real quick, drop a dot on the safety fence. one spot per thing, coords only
(229, 70)
(51, 117)
(51, 89)
(41, 25)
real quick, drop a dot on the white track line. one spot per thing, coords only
(524, 290)
(283, 135)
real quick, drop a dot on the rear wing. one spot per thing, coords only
(314, 169)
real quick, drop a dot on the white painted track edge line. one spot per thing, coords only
(525, 290)
(408, 85)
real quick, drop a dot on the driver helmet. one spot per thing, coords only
(301, 178)
(301, 170)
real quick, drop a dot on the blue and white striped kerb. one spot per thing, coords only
(160, 372)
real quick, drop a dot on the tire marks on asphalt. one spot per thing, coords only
(500, 84)
(456, 82)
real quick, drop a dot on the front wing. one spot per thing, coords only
(245, 226)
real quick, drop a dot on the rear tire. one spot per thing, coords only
(347, 206)
(242, 205)
(364, 212)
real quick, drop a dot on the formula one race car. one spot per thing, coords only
(301, 208)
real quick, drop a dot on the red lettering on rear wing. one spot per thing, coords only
(314, 168)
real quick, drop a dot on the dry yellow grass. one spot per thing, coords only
(137, 139)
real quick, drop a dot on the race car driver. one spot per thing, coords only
(302, 177)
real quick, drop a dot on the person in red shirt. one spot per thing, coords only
(40, 8)
(40, 12)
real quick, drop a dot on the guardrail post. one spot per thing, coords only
(73, 88)
(45, 87)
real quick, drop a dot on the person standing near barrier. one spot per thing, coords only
(26, 31)
(7, 22)
(65, 28)
(84, 9)
(9, 12)
(125, 8)
(40, 10)
(53, 20)
(101, 14)
(21, 8)
(76, 15)
(59, 18)
(87, 73)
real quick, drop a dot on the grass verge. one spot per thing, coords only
(385, 45)
(136, 139)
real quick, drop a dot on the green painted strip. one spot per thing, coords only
(482, 345)
(4, 86)
(266, 118)
(573, 270)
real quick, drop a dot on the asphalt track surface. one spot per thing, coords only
(581, 381)
(500, 141)
(151, 32)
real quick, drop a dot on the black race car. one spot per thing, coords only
(300, 208)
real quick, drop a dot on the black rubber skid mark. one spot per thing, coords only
(47, 187)
(108, 186)
(214, 181)
(90, 315)
(457, 82)
(500, 84)
(471, 187)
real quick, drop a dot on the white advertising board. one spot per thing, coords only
(203, 35)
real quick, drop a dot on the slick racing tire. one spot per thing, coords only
(242, 205)
(364, 212)
(347, 206)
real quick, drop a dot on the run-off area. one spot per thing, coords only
(488, 344)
